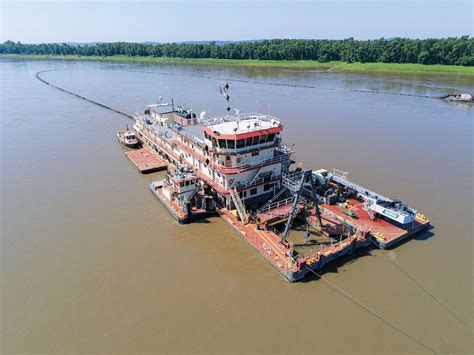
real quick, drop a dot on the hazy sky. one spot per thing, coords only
(168, 21)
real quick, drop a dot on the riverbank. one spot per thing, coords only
(301, 64)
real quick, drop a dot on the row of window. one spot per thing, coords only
(266, 187)
(241, 143)
(186, 183)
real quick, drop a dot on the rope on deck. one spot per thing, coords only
(38, 76)
(370, 310)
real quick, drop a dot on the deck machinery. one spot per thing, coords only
(237, 166)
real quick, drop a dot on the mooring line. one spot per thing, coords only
(371, 311)
(424, 288)
(38, 76)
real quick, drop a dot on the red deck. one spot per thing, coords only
(380, 228)
(277, 214)
(145, 161)
(267, 243)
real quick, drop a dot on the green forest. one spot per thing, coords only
(446, 51)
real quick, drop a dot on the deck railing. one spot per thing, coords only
(259, 181)
(240, 117)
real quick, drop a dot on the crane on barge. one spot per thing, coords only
(295, 184)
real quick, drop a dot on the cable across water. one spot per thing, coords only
(371, 311)
(407, 274)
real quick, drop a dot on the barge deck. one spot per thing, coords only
(145, 161)
(383, 233)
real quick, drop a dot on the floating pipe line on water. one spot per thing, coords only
(241, 81)
(38, 76)
(275, 84)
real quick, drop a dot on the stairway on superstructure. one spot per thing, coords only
(239, 206)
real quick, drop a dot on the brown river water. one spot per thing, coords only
(92, 263)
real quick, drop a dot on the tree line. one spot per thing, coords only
(448, 51)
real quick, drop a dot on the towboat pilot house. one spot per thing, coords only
(236, 152)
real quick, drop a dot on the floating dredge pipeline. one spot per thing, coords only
(279, 84)
(231, 79)
(79, 96)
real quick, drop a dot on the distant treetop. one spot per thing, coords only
(447, 51)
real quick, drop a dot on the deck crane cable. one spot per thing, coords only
(370, 310)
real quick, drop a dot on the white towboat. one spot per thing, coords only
(128, 138)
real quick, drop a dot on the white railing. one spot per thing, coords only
(276, 204)
(341, 174)
(292, 181)
(240, 117)
(240, 185)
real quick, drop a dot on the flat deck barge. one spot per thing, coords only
(383, 233)
(145, 161)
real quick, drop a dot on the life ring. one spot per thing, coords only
(231, 182)
(238, 160)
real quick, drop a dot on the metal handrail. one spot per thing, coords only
(239, 117)
(258, 181)
(276, 204)
(292, 181)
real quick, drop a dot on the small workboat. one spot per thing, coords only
(128, 138)
(459, 97)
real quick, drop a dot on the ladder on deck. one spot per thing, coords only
(239, 206)
(296, 187)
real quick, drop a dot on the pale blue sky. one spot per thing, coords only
(167, 21)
